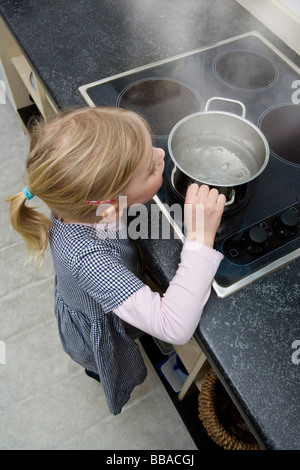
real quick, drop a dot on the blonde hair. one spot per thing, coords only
(80, 155)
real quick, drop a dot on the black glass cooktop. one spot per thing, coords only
(264, 233)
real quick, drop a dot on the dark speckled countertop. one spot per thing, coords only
(248, 336)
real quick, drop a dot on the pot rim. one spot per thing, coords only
(240, 118)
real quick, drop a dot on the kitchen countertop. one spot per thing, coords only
(247, 336)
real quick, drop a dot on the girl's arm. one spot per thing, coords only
(174, 317)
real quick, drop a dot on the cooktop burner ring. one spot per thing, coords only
(229, 68)
(169, 101)
(280, 125)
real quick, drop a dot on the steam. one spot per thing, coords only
(171, 28)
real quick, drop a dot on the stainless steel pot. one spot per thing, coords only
(220, 149)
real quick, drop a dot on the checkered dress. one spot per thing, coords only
(94, 275)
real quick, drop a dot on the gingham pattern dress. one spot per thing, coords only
(96, 273)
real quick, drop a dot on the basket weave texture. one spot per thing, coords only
(221, 419)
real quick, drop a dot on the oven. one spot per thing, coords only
(262, 234)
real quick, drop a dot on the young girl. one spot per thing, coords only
(79, 163)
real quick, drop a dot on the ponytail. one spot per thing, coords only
(32, 225)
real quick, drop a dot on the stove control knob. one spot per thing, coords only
(255, 240)
(286, 224)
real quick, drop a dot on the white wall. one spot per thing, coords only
(292, 5)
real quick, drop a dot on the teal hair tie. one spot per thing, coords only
(27, 193)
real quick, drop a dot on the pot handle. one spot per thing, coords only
(215, 98)
(232, 198)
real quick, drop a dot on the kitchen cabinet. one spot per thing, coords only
(196, 364)
(28, 94)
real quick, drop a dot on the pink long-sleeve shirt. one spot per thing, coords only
(174, 317)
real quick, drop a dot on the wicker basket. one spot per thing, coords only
(221, 419)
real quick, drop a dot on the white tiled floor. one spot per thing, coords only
(46, 400)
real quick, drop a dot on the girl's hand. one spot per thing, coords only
(202, 213)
